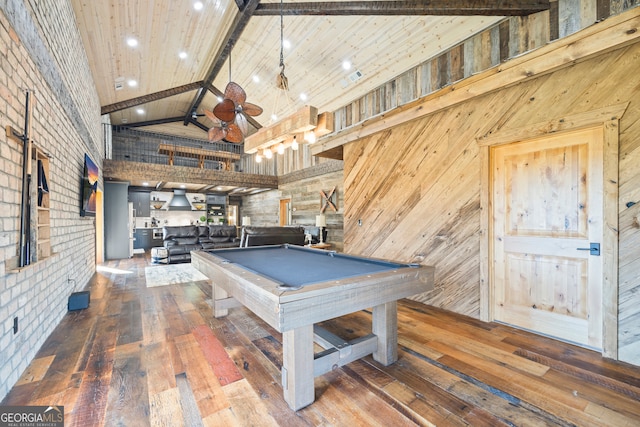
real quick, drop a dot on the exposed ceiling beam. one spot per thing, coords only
(235, 30)
(197, 123)
(406, 7)
(152, 122)
(123, 105)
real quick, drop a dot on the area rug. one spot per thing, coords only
(162, 275)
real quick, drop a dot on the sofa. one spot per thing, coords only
(259, 236)
(181, 240)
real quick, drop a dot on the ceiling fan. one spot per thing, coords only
(230, 122)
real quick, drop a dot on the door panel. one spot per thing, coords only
(285, 212)
(547, 204)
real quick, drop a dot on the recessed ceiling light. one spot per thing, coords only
(182, 55)
(198, 5)
(140, 111)
(303, 96)
(256, 79)
(183, 186)
(132, 83)
(131, 42)
(286, 44)
(145, 184)
(219, 98)
(274, 117)
(346, 65)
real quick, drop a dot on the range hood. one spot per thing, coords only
(179, 202)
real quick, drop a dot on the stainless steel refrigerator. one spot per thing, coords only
(118, 223)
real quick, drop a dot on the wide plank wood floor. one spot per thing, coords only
(155, 356)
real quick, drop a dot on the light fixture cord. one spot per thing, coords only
(281, 38)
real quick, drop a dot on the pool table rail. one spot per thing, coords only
(286, 310)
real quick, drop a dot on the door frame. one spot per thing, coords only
(608, 118)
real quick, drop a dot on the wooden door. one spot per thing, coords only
(285, 212)
(547, 207)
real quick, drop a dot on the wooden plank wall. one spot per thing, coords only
(306, 200)
(423, 206)
(304, 191)
(510, 38)
(301, 176)
(415, 188)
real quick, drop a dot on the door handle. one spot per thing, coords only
(594, 249)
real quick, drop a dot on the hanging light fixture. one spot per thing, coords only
(294, 144)
(281, 148)
(310, 137)
(282, 82)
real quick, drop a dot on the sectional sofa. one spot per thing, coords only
(181, 240)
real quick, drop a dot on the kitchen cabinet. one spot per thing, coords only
(143, 238)
(141, 203)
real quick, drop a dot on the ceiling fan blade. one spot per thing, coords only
(234, 92)
(225, 110)
(210, 115)
(242, 123)
(216, 134)
(234, 134)
(251, 109)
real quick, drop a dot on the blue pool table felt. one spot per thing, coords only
(297, 266)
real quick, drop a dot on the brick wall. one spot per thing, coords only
(40, 50)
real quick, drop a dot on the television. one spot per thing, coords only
(88, 188)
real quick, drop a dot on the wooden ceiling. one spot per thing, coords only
(380, 38)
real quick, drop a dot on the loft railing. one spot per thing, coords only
(148, 147)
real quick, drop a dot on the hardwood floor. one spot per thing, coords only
(155, 356)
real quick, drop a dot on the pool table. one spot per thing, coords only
(294, 287)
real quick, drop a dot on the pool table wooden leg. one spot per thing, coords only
(297, 367)
(385, 327)
(219, 295)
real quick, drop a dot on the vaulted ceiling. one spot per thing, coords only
(152, 87)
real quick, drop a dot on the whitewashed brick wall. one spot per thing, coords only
(40, 49)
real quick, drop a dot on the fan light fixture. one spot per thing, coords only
(228, 116)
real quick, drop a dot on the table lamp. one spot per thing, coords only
(321, 222)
